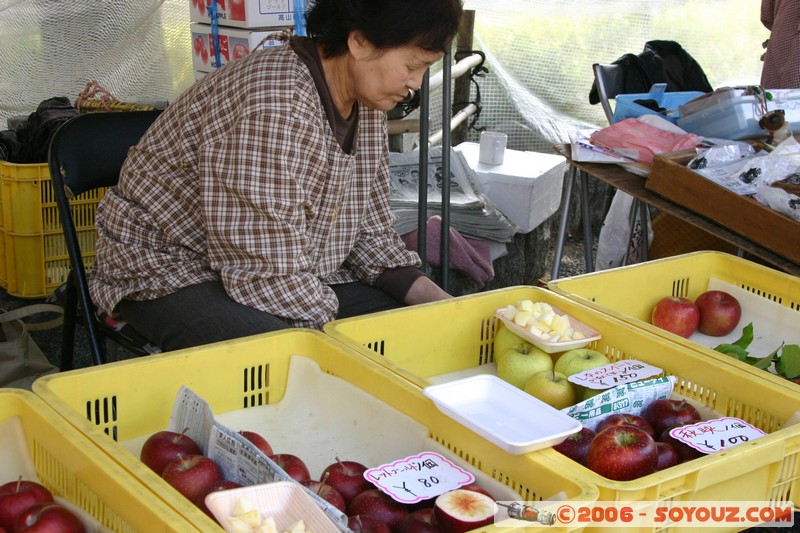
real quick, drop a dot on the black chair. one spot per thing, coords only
(609, 82)
(87, 153)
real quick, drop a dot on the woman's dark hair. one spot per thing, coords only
(429, 24)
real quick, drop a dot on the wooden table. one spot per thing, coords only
(634, 185)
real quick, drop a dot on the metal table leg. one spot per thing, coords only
(562, 224)
(588, 238)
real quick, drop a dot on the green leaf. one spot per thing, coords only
(733, 350)
(762, 363)
(788, 365)
(738, 348)
(746, 338)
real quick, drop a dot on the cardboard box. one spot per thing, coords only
(670, 178)
(246, 13)
(526, 187)
(233, 44)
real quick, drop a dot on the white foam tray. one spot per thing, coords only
(503, 414)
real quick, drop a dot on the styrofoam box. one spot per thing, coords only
(246, 13)
(233, 44)
(738, 118)
(526, 187)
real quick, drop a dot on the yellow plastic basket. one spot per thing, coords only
(630, 293)
(131, 399)
(72, 467)
(421, 342)
(35, 259)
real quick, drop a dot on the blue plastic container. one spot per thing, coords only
(627, 108)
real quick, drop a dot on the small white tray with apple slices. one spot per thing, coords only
(589, 334)
(501, 413)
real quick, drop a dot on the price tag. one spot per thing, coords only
(711, 436)
(418, 477)
(613, 374)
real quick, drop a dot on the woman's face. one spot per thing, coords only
(382, 78)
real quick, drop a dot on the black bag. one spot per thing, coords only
(42, 124)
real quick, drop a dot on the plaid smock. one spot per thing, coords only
(782, 61)
(242, 180)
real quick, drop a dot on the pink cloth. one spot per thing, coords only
(647, 140)
(470, 256)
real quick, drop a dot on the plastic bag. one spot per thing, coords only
(616, 239)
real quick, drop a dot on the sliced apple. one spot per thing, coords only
(268, 526)
(525, 305)
(239, 526)
(462, 510)
(522, 316)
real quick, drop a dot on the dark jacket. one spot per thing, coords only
(660, 62)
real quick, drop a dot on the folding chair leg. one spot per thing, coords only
(68, 328)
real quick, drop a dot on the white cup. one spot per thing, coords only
(493, 147)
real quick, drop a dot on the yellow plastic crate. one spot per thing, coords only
(72, 467)
(455, 335)
(629, 293)
(35, 259)
(131, 399)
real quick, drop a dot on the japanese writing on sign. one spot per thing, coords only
(418, 477)
(711, 436)
(613, 374)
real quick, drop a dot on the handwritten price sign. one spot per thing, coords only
(418, 477)
(711, 436)
(613, 374)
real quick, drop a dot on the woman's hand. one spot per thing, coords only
(424, 290)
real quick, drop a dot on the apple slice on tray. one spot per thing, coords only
(546, 327)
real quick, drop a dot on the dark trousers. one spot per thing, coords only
(204, 313)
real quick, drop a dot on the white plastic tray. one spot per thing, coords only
(286, 501)
(590, 334)
(503, 414)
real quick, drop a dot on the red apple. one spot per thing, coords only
(685, 452)
(667, 455)
(366, 524)
(677, 315)
(622, 453)
(163, 447)
(420, 521)
(259, 441)
(667, 412)
(222, 485)
(326, 492)
(619, 419)
(18, 496)
(292, 465)
(347, 477)
(719, 313)
(378, 505)
(48, 518)
(192, 474)
(463, 510)
(576, 446)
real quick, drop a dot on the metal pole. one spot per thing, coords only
(422, 205)
(446, 142)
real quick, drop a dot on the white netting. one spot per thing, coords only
(137, 50)
(539, 53)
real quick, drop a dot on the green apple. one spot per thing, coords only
(552, 388)
(579, 360)
(520, 362)
(505, 340)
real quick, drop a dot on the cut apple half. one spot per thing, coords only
(462, 510)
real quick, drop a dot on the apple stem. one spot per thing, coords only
(19, 483)
(326, 476)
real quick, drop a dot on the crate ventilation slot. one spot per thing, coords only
(680, 287)
(256, 385)
(376, 347)
(102, 412)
